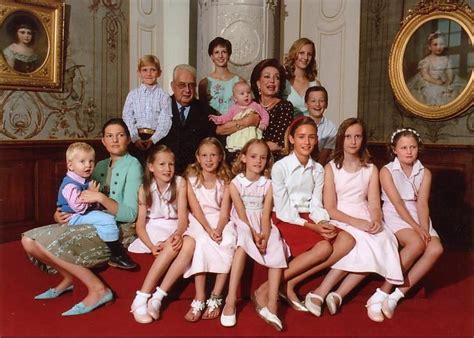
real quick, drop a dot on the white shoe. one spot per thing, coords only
(153, 308)
(296, 305)
(374, 306)
(390, 303)
(331, 302)
(139, 308)
(270, 318)
(313, 308)
(228, 320)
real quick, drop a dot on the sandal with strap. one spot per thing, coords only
(197, 306)
(331, 302)
(313, 308)
(214, 304)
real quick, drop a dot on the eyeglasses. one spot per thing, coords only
(188, 85)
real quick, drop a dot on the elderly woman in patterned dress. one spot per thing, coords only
(268, 82)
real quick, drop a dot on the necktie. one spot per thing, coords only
(181, 114)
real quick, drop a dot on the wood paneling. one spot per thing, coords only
(30, 174)
(452, 192)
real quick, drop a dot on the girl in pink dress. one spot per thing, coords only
(352, 198)
(161, 225)
(209, 201)
(251, 193)
(405, 191)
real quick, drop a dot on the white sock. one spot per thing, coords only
(396, 295)
(140, 299)
(378, 296)
(159, 294)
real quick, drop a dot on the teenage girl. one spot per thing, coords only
(352, 198)
(216, 88)
(209, 201)
(297, 183)
(161, 224)
(406, 187)
(251, 194)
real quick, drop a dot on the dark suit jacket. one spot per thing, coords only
(184, 139)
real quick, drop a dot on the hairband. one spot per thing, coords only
(433, 35)
(398, 131)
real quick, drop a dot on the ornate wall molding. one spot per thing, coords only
(95, 80)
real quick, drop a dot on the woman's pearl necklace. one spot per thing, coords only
(269, 104)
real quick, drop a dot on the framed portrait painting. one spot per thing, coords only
(32, 45)
(432, 60)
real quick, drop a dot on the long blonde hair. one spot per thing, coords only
(148, 177)
(240, 167)
(223, 171)
(311, 71)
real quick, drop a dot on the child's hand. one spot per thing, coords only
(376, 227)
(157, 249)
(89, 196)
(61, 217)
(216, 235)
(327, 230)
(143, 145)
(262, 243)
(93, 186)
(213, 118)
(424, 234)
(176, 241)
(363, 224)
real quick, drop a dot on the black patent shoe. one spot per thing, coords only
(122, 262)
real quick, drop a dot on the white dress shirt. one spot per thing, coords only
(327, 132)
(298, 188)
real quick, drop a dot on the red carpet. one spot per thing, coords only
(445, 307)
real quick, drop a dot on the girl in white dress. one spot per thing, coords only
(406, 187)
(209, 201)
(352, 198)
(436, 82)
(251, 193)
(161, 225)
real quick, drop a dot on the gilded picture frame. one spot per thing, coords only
(32, 45)
(431, 60)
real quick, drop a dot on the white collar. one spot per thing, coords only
(246, 182)
(417, 167)
(294, 162)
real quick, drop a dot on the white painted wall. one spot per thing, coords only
(334, 26)
(159, 27)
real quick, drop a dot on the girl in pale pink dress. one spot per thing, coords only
(406, 187)
(352, 198)
(251, 193)
(209, 225)
(161, 225)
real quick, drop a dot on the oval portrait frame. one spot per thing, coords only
(462, 15)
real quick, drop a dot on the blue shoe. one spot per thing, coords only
(80, 308)
(52, 293)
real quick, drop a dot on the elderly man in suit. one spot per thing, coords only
(190, 121)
